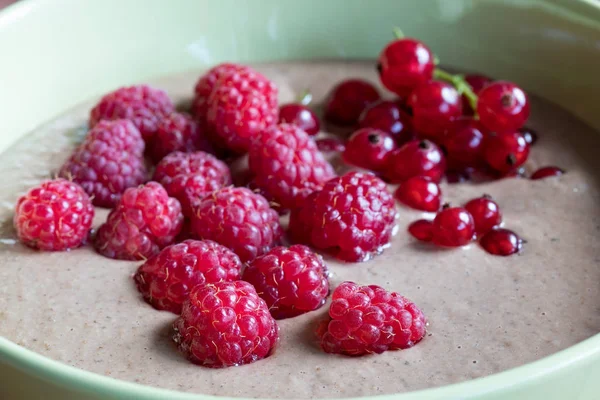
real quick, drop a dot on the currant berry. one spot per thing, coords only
(420, 193)
(435, 105)
(530, 135)
(546, 172)
(388, 116)
(404, 64)
(486, 214)
(501, 242)
(477, 82)
(368, 148)
(330, 145)
(421, 230)
(502, 106)
(301, 116)
(505, 152)
(453, 227)
(464, 144)
(415, 158)
(348, 99)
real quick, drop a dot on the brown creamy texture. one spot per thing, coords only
(486, 313)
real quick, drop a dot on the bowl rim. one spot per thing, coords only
(83, 381)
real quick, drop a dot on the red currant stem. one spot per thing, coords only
(459, 83)
(398, 34)
(305, 97)
(436, 60)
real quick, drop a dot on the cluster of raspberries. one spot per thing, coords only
(212, 250)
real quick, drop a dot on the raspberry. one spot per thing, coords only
(166, 279)
(352, 217)
(177, 132)
(144, 221)
(291, 280)
(190, 176)
(141, 104)
(369, 319)
(107, 162)
(239, 219)
(53, 216)
(225, 324)
(287, 165)
(238, 113)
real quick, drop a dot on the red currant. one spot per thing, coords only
(453, 227)
(485, 213)
(454, 176)
(348, 99)
(464, 144)
(330, 145)
(388, 116)
(421, 230)
(505, 152)
(415, 158)
(301, 116)
(435, 105)
(477, 82)
(502, 106)
(404, 64)
(420, 193)
(529, 134)
(546, 172)
(501, 242)
(367, 148)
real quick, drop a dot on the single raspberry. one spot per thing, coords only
(352, 217)
(239, 219)
(109, 160)
(144, 221)
(166, 279)
(53, 216)
(291, 280)
(369, 319)
(237, 114)
(143, 105)
(225, 324)
(190, 176)
(287, 165)
(177, 132)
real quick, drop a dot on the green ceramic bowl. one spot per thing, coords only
(56, 53)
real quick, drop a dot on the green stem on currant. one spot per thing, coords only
(398, 34)
(459, 83)
(305, 97)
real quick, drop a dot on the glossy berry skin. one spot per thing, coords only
(238, 219)
(405, 64)
(351, 218)
(453, 227)
(546, 172)
(502, 107)
(177, 132)
(144, 221)
(464, 145)
(435, 105)
(477, 82)
(347, 101)
(166, 279)
(331, 145)
(287, 165)
(301, 116)
(388, 116)
(190, 176)
(505, 152)
(530, 135)
(486, 214)
(292, 281)
(369, 319)
(421, 230)
(501, 242)
(415, 158)
(368, 148)
(108, 161)
(143, 105)
(225, 324)
(56, 215)
(420, 193)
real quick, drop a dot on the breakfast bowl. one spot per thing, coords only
(57, 55)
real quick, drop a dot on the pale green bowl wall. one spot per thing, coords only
(57, 53)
